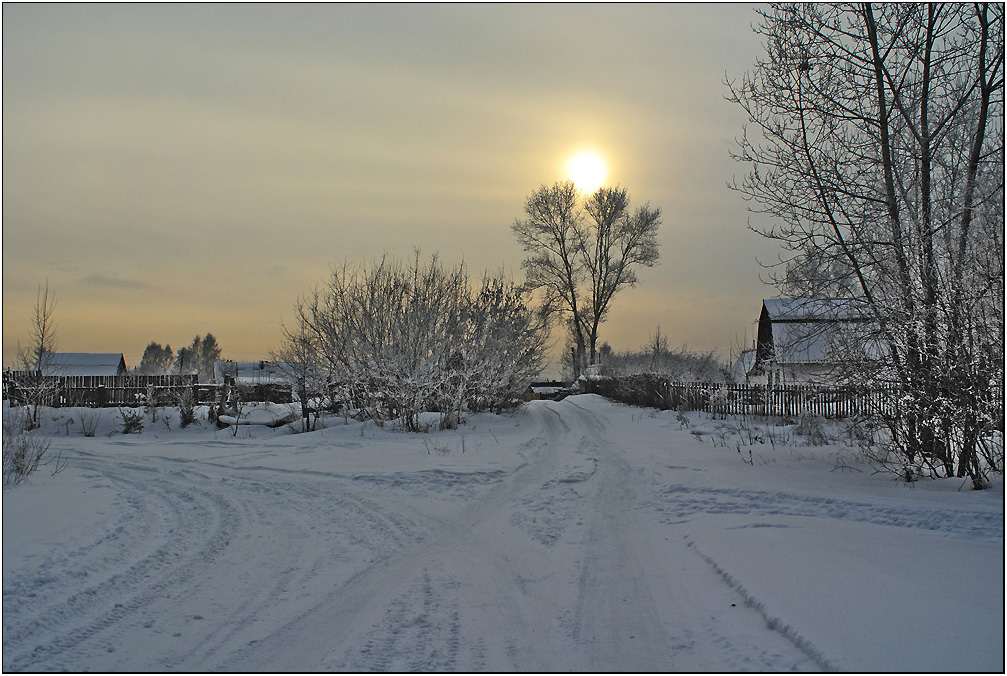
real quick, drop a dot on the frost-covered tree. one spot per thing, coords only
(199, 357)
(582, 251)
(880, 164)
(35, 361)
(395, 341)
(300, 361)
(186, 360)
(156, 360)
(209, 354)
(656, 357)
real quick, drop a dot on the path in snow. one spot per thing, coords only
(579, 560)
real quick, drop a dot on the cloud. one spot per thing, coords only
(112, 282)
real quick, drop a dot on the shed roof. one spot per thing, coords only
(814, 309)
(84, 363)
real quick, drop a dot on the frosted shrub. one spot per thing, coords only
(812, 428)
(719, 400)
(860, 431)
(23, 452)
(151, 402)
(395, 341)
(88, 420)
(132, 421)
(186, 407)
(683, 420)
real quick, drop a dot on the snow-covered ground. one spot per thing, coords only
(570, 536)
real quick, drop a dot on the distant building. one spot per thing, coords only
(547, 389)
(799, 339)
(253, 372)
(743, 365)
(83, 364)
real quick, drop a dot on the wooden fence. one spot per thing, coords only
(735, 399)
(101, 391)
(20, 387)
(639, 390)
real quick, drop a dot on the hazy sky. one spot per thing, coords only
(179, 169)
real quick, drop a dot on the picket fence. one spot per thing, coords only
(743, 399)
(642, 390)
(102, 391)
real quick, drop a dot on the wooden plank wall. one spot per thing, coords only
(102, 391)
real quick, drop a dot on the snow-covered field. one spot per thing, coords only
(570, 536)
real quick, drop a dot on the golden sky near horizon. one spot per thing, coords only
(178, 169)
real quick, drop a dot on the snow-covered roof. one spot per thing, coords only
(84, 363)
(253, 372)
(814, 309)
(548, 389)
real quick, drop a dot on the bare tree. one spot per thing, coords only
(551, 234)
(614, 243)
(36, 359)
(881, 162)
(299, 360)
(582, 252)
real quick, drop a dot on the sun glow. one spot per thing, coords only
(587, 171)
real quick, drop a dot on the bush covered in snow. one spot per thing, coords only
(132, 421)
(395, 341)
(23, 451)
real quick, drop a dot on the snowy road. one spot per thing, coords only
(586, 553)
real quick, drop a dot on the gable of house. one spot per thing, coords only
(807, 332)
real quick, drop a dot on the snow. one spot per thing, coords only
(578, 535)
(263, 414)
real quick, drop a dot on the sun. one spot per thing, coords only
(587, 170)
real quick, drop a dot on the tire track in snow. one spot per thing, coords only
(774, 623)
(419, 632)
(184, 530)
(670, 626)
(681, 502)
(615, 622)
(372, 606)
(198, 526)
(375, 531)
(112, 577)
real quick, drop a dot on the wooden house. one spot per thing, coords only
(799, 339)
